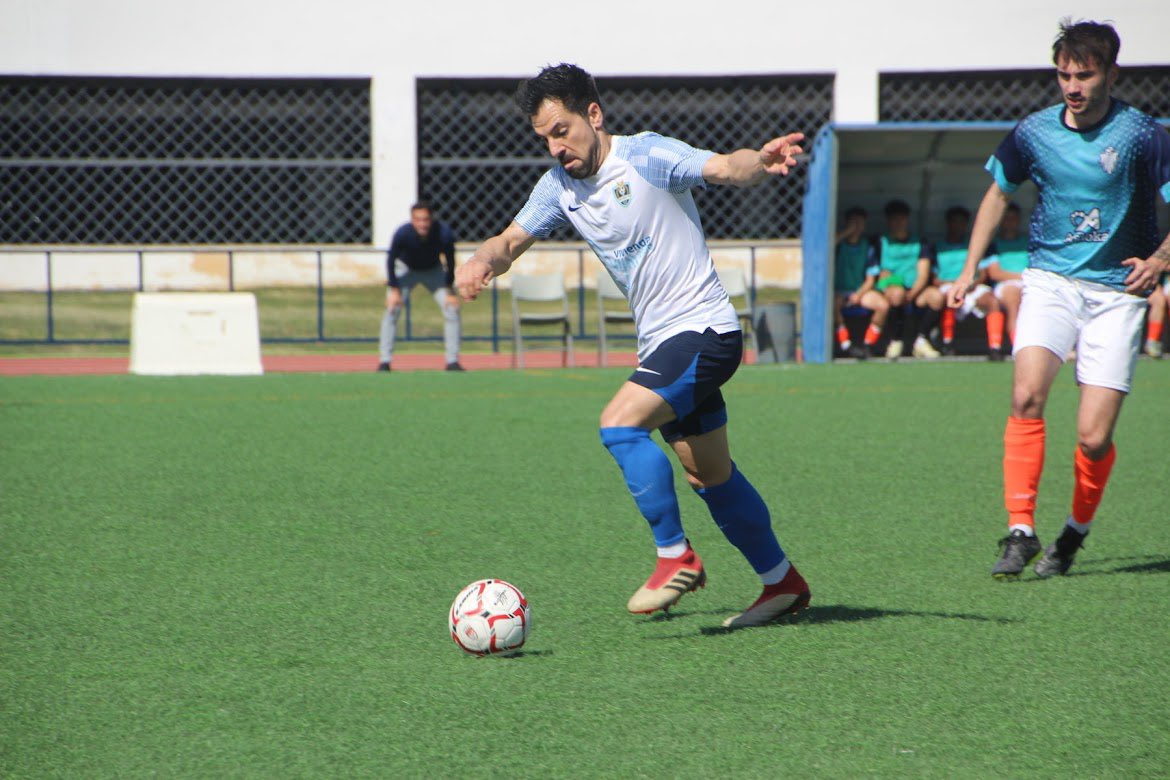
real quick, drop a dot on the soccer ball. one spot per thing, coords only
(490, 617)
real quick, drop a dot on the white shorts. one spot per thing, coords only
(969, 306)
(1000, 287)
(1105, 326)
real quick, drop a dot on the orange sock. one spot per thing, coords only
(842, 335)
(1091, 478)
(1023, 460)
(872, 334)
(995, 330)
(1154, 331)
(948, 325)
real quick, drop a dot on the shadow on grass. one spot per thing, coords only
(836, 613)
(1149, 564)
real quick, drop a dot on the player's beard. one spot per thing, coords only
(589, 163)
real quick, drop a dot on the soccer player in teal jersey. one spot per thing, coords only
(905, 264)
(854, 285)
(950, 256)
(1009, 258)
(629, 196)
(1094, 255)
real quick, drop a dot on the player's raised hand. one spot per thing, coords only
(779, 154)
(472, 277)
(958, 292)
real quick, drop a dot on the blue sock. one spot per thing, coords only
(650, 480)
(743, 518)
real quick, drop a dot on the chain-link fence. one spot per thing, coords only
(1007, 95)
(184, 161)
(479, 159)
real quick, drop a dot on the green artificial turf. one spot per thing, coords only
(237, 577)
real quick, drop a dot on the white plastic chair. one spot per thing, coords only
(607, 291)
(734, 282)
(542, 290)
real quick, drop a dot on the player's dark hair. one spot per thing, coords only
(422, 205)
(569, 84)
(958, 211)
(897, 207)
(855, 211)
(1086, 42)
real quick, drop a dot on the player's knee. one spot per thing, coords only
(1094, 444)
(1028, 402)
(712, 476)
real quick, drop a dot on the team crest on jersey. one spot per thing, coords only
(1086, 227)
(622, 194)
(1108, 159)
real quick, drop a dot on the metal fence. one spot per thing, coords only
(478, 158)
(184, 161)
(314, 301)
(1003, 95)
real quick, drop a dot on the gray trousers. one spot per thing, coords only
(434, 280)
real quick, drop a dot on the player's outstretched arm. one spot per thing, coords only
(493, 258)
(987, 219)
(749, 167)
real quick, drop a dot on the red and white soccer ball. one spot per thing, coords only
(490, 617)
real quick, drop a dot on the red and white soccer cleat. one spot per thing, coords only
(786, 597)
(672, 578)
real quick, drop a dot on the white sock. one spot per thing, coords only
(1080, 528)
(1027, 529)
(846, 344)
(776, 573)
(673, 550)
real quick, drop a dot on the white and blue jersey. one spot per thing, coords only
(1096, 188)
(638, 215)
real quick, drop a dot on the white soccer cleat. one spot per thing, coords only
(1154, 348)
(894, 350)
(924, 349)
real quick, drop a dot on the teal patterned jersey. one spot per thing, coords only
(1096, 188)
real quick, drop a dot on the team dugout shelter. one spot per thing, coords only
(932, 165)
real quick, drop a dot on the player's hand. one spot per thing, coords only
(1143, 275)
(853, 299)
(779, 155)
(472, 277)
(393, 298)
(958, 292)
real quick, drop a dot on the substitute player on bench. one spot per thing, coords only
(1094, 256)
(629, 196)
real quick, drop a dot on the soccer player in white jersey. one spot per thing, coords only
(629, 197)
(1094, 255)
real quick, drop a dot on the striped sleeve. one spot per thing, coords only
(542, 214)
(667, 163)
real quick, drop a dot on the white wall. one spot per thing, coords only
(395, 42)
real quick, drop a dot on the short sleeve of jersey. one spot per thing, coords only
(928, 251)
(1158, 152)
(542, 213)
(1008, 164)
(667, 163)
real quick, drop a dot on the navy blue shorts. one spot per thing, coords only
(687, 370)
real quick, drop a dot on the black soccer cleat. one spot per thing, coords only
(995, 355)
(454, 366)
(383, 366)
(861, 352)
(1058, 558)
(1019, 550)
